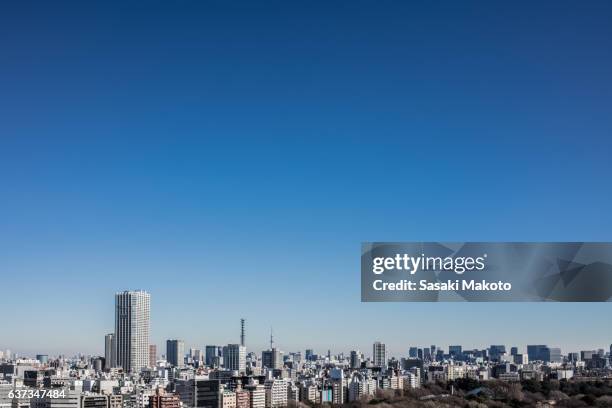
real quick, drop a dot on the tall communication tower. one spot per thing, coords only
(242, 332)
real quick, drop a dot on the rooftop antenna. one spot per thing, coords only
(242, 332)
(271, 338)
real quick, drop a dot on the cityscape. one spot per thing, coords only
(305, 204)
(133, 373)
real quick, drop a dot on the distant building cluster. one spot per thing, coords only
(131, 374)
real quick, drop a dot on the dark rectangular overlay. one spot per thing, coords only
(486, 271)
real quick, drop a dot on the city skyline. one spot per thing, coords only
(130, 374)
(134, 305)
(377, 358)
(196, 196)
(272, 357)
(232, 157)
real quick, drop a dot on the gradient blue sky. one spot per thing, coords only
(230, 157)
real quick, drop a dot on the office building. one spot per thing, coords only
(379, 354)
(355, 360)
(93, 401)
(132, 327)
(207, 394)
(212, 353)
(235, 358)
(162, 399)
(541, 352)
(228, 399)
(553, 355)
(276, 393)
(175, 352)
(42, 358)
(152, 355)
(257, 395)
(71, 399)
(272, 359)
(496, 352)
(109, 351)
(455, 351)
(535, 352)
(115, 400)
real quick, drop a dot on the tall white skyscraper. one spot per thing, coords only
(110, 359)
(379, 354)
(132, 327)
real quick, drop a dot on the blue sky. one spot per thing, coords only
(230, 157)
